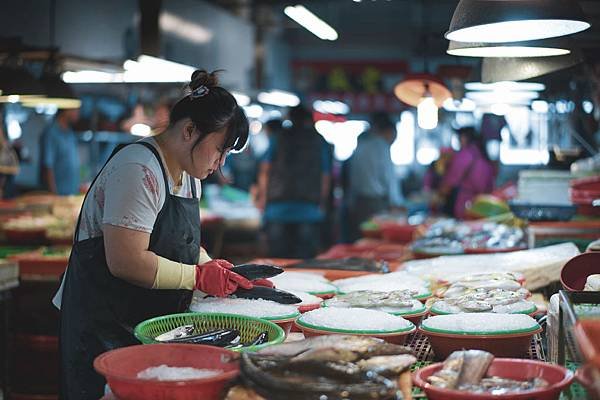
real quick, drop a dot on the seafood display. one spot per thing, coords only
(398, 301)
(449, 236)
(267, 293)
(165, 373)
(356, 320)
(486, 300)
(391, 282)
(328, 367)
(228, 338)
(345, 264)
(466, 371)
(502, 280)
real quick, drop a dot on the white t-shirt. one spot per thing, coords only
(129, 192)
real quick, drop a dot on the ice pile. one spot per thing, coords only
(480, 322)
(355, 319)
(307, 298)
(385, 283)
(165, 373)
(303, 282)
(540, 266)
(250, 308)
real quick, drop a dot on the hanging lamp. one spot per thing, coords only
(534, 48)
(427, 111)
(501, 21)
(415, 86)
(517, 69)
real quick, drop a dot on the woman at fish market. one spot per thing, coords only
(136, 253)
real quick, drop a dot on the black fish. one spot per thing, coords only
(257, 271)
(220, 338)
(265, 293)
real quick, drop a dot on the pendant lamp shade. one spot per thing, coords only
(534, 48)
(516, 69)
(412, 89)
(16, 84)
(58, 93)
(501, 21)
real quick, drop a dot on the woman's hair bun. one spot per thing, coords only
(201, 77)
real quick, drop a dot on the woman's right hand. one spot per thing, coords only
(216, 279)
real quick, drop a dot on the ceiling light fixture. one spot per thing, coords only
(513, 49)
(501, 21)
(516, 69)
(427, 111)
(279, 98)
(311, 22)
(506, 85)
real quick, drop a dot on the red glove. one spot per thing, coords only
(263, 282)
(216, 279)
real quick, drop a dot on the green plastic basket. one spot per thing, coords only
(249, 327)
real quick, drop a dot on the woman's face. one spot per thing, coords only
(208, 155)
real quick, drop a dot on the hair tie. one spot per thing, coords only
(200, 91)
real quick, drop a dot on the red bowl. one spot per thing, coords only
(558, 377)
(308, 307)
(508, 345)
(121, 366)
(285, 324)
(575, 272)
(415, 318)
(398, 233)
(394, 338)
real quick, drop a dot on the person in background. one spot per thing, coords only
(469, 174)
(432, 181)
(373, 184)
(60, 155)
(294, 182)
(9, 162)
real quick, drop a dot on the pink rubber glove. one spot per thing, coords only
(216, 279)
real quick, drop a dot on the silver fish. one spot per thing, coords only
(178, 333)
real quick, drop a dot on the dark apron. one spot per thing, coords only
(99, 311)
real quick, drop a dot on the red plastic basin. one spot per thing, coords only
(575, 272)
(398, 233)
(508, 345)
(121, 366)
(558, 377)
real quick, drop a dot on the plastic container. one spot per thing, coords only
(587, 332)
(398, 233)
(249, 327)
(575, 272)
(395, 337)
(558, 377)
(121, 366)
(506, 344)
(285, 322)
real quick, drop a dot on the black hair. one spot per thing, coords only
(473, 137)
(380, 121)
(212, 108)
(299, 116)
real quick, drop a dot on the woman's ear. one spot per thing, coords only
(188, 130)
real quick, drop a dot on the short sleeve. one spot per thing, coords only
(48, 150)
(132, 197)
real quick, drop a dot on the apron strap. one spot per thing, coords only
(193, 186)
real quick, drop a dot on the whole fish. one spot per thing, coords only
(220, 338)
(266, 293)
(389, 366)
(257, 271)
(177, 333)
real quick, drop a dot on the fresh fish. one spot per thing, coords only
(177, 333)
(257, 271)
(390, 366)
(447, 377)
(475, 366)
(475, 306)
(324, 355)
(369, 298)
(266, 293)
(346, 264)
(364, 345)
(498, 386)
(220, 338)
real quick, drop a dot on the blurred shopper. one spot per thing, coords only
(469, 174)
(60, 155)
(294, 181)
(9, 162)
(373, 184)
(432, 181)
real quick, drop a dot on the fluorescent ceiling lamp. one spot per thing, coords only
(89, 76)
(502, 97)
(184, 29)
(60, 103)
(506, 85)
(502, 21)
(494, 50)
(279, 98)
(253, 111)
(153, 69)
(311, 22)
(464, 105)
(331, 107)
(242, 99)
(539, 106)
